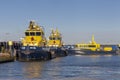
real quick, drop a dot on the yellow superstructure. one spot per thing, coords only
(55, 39)
(93, 46)
(107, 48)
(34, 36)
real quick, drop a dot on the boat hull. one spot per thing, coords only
(59, 51)
(30, 53)
(89, 52)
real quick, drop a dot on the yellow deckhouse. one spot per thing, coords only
(34, 36)
(55, 39)
(93, 46)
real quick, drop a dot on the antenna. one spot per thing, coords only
(93, 38)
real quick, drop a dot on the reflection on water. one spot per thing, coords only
(32, 69)
(64, 68)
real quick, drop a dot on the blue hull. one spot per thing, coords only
(59, 52)
(100, 53)
(89, 52)
(30, 53)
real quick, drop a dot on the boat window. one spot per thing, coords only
(53, 38)
(27, 33)
(59, 38)
(32, 33)
(91, 46)
(38, 33)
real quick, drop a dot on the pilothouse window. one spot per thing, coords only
(27, 33)
(92, 46)
(32, 33)
(53, 38)
(38, 33)
(59, 38)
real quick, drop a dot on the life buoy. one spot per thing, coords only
(32, 39)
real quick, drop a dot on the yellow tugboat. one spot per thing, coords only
(55, 39)
(55, 43)
(34, 44)
(34, 36)
(95, 48)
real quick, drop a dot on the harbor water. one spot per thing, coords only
(74, 67)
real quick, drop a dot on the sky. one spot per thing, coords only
(77, 20)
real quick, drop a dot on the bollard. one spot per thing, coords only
(10, 43)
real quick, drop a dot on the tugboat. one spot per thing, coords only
(94, 48)
(55, 43)
(34, 44)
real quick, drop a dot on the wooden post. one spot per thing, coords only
(10, 48)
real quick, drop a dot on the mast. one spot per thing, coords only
(93, 40)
